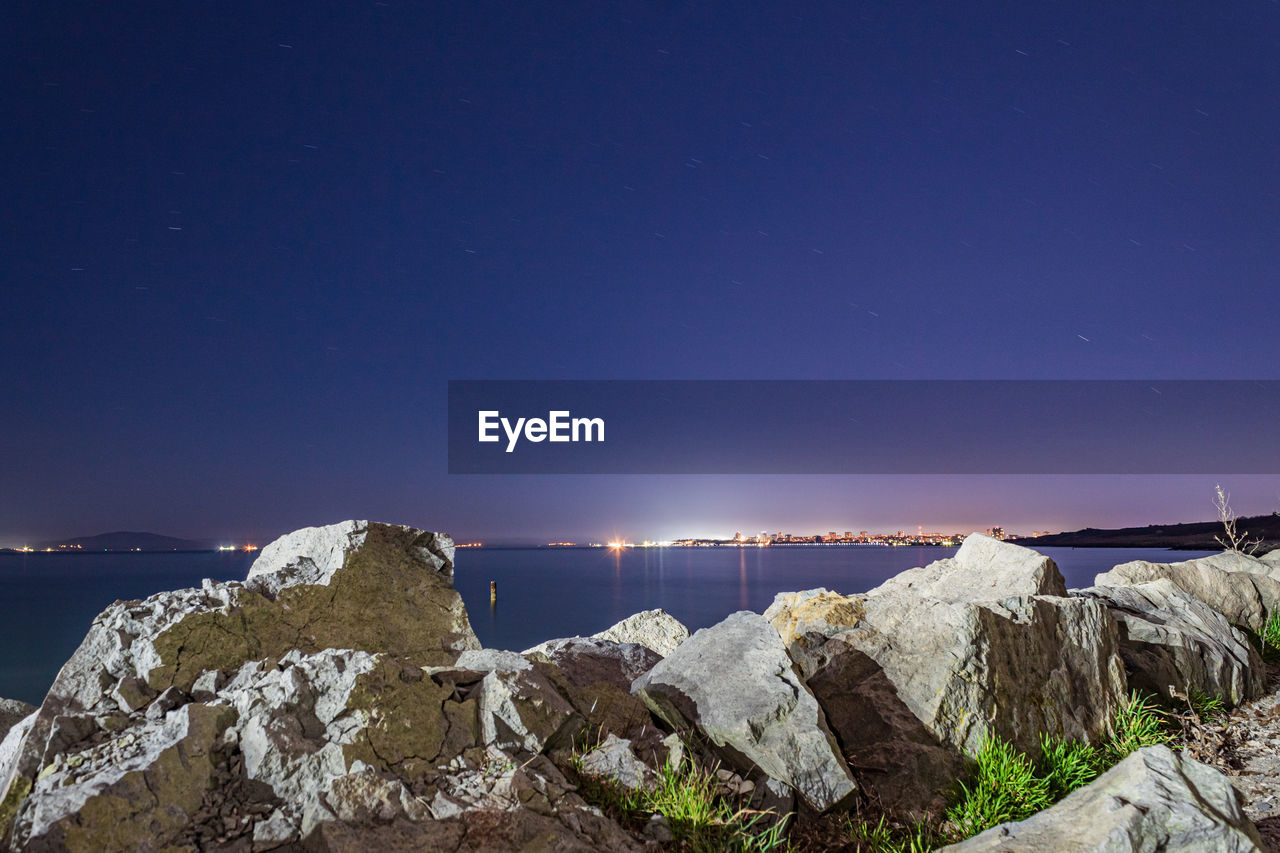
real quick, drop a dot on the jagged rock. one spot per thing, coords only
(281, 730)
(11, 712)
(1168, 639)
(653, 629)
(523, 710)
(533, 704)
(734, 682)
(355, 585)
(591, 660)
(504, 801)
(614, 760)
(1155, 799)
(919, 671)
(1238, 586)
(294, 726)
(983, 569)
(365, 796)
(489, 660)
(595, 676)
(127, 793)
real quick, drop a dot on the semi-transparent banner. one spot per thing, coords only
(864, 427)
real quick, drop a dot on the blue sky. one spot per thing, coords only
(247, 245)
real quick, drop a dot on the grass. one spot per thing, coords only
(1271, 637)
(1068, 765)
(701, 818)
(1138, 723)
(1005, 787)
(1206, 707)
(884, 837)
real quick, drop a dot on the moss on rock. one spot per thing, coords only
(382, 600)
(415, 723)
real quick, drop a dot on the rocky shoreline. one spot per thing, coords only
(338, 700)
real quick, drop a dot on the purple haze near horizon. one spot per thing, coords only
(246, 245)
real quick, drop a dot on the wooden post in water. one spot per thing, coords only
(493, 591)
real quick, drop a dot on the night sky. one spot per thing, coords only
(246, 245)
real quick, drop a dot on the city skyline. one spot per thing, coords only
(1257, 497)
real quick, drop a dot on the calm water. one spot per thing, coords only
(48, 600)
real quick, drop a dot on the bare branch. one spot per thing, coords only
(1232, 538)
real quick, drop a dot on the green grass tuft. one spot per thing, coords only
(701, 818)
(1006, 787)
(1068, 765)
(1271, 637)
(1138, 723)
(1207, 707)
(884, 837)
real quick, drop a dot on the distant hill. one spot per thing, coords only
(128, 541)
(1196, 535)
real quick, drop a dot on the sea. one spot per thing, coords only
(48, 600)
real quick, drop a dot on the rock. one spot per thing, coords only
(1169, 639)
(615, 761)
(134, 793)
(523, 711)
(1155, 799)
(591, 660)
(357, 586)
(506, 802)
(918, 672)
(653, 629)
(1238, 586)
(983, 569)
(490, 660)
(365, 796)
(11, 712)
(658, 829)
(595, 675)
(735, 684)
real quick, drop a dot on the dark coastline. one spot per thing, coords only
(1192, 536)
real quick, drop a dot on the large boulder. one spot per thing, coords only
(1170, 640)
(1155, 799)
(595, 675)
(591, 660)
(735, 685)
(920, 671)
(653, 629)
(983, 569)
(1240, 587)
